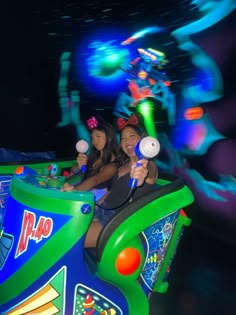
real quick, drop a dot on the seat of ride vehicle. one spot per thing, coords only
(45, 270)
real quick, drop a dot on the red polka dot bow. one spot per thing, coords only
(121, 122)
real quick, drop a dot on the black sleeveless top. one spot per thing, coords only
(120, 190)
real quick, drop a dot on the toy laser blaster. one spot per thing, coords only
(146, 148)
(75, 179)
(82, 147)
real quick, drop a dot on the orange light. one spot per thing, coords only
(19, 170)
(167, 83)
(193, 113)
(128, 261)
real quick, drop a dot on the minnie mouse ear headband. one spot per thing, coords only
(121, 122)
(92, 123)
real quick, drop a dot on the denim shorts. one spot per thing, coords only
(103, 216)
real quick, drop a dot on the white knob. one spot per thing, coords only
(82, 146)
(149, 147)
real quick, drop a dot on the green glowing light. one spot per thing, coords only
(112, 57)
(146, 109)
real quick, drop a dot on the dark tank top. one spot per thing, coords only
(107, 184)
(120, 190)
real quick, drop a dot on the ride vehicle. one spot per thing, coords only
(44, 268)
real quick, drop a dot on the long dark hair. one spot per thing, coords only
(111, 147)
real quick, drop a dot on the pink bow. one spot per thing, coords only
(121, 122)
(92, 123)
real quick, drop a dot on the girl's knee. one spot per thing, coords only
(92, 234)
